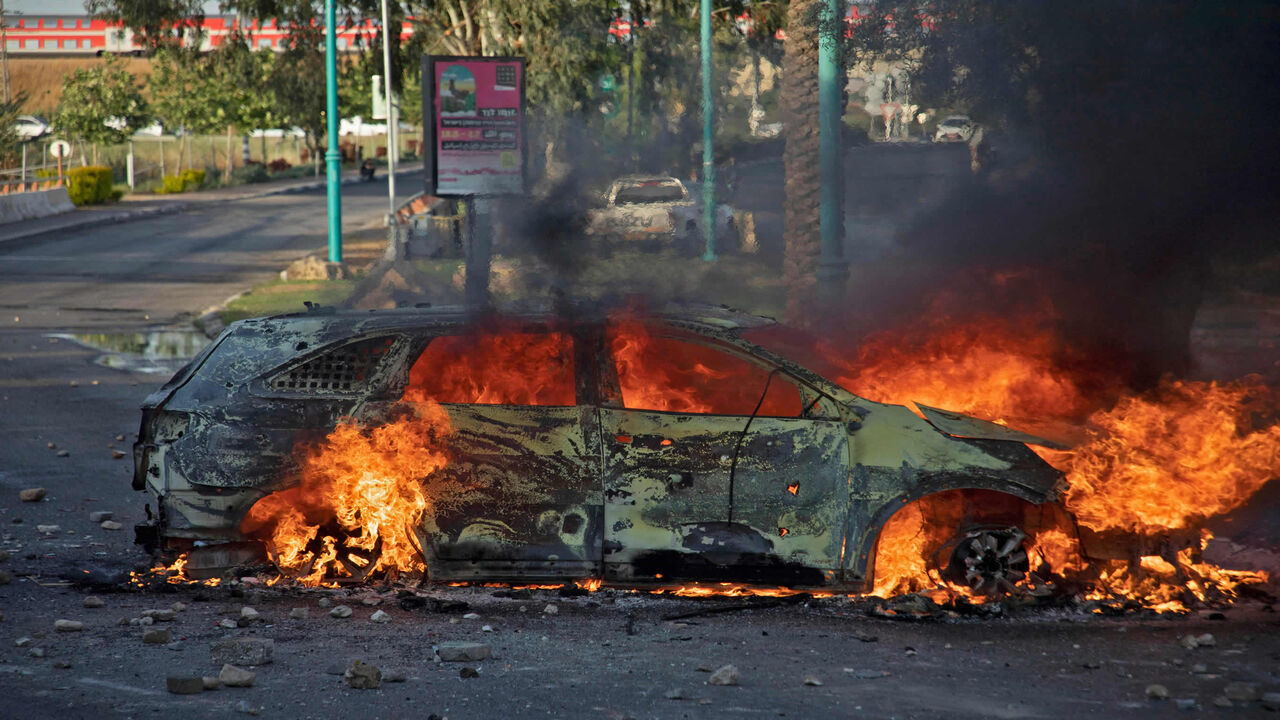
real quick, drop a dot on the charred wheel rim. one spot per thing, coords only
(989, 561)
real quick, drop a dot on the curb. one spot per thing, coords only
(75, 223)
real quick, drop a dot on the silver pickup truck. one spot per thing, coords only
(656, 209)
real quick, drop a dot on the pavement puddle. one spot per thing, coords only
(156, 351)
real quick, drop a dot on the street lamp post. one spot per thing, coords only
(332, 156)
(393, 122)
(708, 153)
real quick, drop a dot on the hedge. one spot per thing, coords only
(89, 185)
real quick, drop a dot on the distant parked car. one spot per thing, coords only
(956, 128)
(30, 127)
(659, 208)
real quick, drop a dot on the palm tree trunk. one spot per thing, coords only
(803, 183)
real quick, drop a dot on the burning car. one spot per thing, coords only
(635, 448)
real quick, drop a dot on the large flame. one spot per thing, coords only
(362, 495)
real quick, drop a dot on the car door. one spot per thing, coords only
(710, 470)
(523, 451)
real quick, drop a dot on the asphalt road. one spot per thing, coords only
(162, 269)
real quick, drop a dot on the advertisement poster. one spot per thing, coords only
(475, 115)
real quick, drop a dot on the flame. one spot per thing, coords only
(362, 495)
(494, 368)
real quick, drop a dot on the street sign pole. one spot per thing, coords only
(833, 269)
(332, 156)
(392, 119)
(708, 154)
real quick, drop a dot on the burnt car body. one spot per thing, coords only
(591, 483)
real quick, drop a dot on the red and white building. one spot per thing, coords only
(36, 34)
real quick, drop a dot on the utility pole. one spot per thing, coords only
(392, 118)
(332, 156)
(833, 269)
(4, 54)
(708, 152)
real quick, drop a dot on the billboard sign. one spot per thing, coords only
(473, 112)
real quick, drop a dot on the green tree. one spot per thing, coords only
(184, 96)
(10, 143)
(238, 87)
(101, 104)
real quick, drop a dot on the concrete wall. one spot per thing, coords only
(37, 204)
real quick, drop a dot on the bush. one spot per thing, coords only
(172, 184)
(255, 173)
(278, 165)
(89, 185)
(192, 179)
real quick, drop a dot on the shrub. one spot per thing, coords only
(172, 184)
(89, 185)
(255, 173)
(278, 165)
(192, 178)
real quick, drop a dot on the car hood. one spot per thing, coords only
(964, 426)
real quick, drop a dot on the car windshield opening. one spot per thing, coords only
(648, 193)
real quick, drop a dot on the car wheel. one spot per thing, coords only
(989, 561)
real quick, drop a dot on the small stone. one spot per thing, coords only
(4, 555)
(68, 625)
(64, 453)
(1157, 692)
(1206, 640)
(5, 577)
(467, 672)
(161, 615)
(228, 624)
(62, 665)
(32, 494)
(394, 676)
(370, 600)
(1222, 701)
(233, 676)
(471, 616)
(175, 646)
(120, 438)
(36, 652)
(51, 445)
(185, 685)
(300, 613)
(111, 525)
(550, 609)
(49, 529)
(340, 611)
(1199, 668)
(486, 628)
(463, 651)
(92, 601)
(1271, 700)
(100, 516)
(1241, 692)
(674, 694)
(116, 455)
(159, 636)
(325, 602)
(211, 682)
(362, 676)
(248, 613)
(727, 675)
(244, 706)
(812, 680)
(22, 642)
(145, 620)
(242, 651)
(380, 617)
(178, 607)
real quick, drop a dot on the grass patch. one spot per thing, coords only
(281, 296)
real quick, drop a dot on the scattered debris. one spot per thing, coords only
(159, 636)
(211, 682)
(1241, 692)
(111, 525)
(467, 672)
(161, 615)
(1222, 701)
(1186, 704)
(68, 625)
(812, 680)
(62, 664)
(727, 675)
(674, 694)
(182, 685)
(248, 614)
(64, 453)
(474, 616)
(117, 455)
(463, 651)
(92, 601)
(1157, 692)
(1271, 701)
(299, 613)
(49, 529)
(340, 611)
(362, 676)
(244, 706)
(32, 494)
(233, 676)
(242, 651)
(380, 617)
(550, 609)
(394, 676)
(325, 602)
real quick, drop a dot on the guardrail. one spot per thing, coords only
(10, 188)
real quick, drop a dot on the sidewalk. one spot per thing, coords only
(133, 207)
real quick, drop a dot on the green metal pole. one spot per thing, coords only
(708, 154)
(833, 269)
(332, 156)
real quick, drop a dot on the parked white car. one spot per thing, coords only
(955, 128)
(30, 127)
